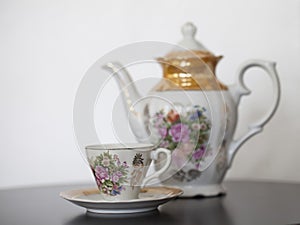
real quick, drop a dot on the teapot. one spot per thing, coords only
(193, 114)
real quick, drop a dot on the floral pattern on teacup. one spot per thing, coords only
(110, 173)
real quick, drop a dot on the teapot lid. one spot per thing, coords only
(193, 47)
(185, 62)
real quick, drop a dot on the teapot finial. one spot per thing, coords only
(189, 42)
(189, 30)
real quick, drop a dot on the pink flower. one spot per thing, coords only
(196, 126)
(203, 126)
(101, 173)
(180, 132)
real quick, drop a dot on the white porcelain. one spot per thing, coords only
(149, 199)
(120, 169)
(193, 114)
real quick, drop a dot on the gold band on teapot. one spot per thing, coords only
(189, 70)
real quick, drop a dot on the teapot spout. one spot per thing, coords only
(125, 83)
(137, 112)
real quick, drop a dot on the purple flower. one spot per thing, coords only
(124, 164)
(159, 115)
(180, 132)
(101, 173)
(119, 174)
(196, 115)
(115, 178)
(159, 120)
(163, 132)
(199, 153)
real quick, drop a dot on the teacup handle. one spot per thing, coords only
(154, 156)
(240, 89)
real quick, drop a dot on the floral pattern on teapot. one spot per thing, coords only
(186, 134)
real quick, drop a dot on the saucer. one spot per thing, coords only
(149, 199)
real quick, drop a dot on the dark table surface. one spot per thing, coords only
(245, 203)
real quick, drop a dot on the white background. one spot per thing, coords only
(47, 46)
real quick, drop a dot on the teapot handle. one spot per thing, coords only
(240, 89)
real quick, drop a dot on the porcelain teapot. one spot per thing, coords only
(193, 114)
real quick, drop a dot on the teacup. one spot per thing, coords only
(120, 169)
